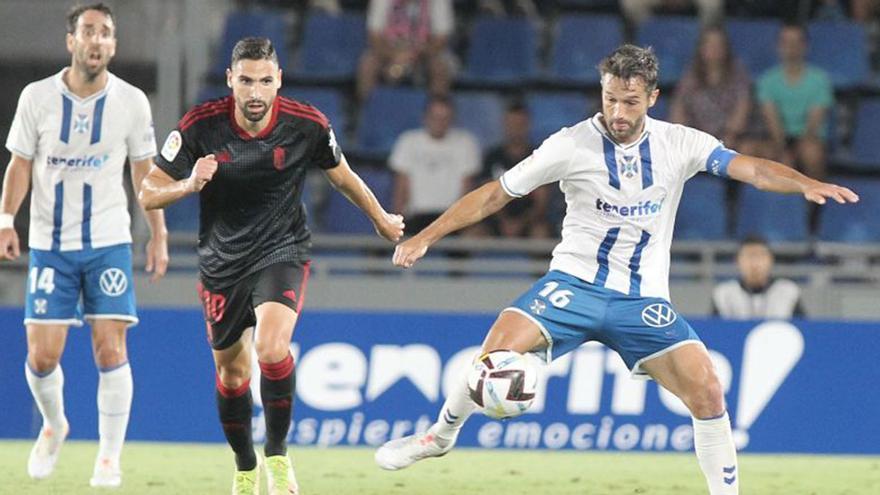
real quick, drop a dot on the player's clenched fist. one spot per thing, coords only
(390, 226)
(9, 249)
(407, 253)
(202, 172)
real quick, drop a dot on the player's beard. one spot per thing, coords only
(91, 72)
(624, 135)
(255, 115)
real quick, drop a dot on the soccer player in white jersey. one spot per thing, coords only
(622, 173)
(71, 136)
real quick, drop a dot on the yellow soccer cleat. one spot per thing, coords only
(280, 477)
(247, 482)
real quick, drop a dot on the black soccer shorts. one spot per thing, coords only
(230, 311)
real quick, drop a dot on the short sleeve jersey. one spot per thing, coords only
(251, 212)
(620, 200)
(78, 147)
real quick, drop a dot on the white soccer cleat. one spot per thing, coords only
(400, 453)
(106, 474)
(44, 455)
(280, 478)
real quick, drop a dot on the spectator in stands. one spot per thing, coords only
(434, 165)
(637, 11)
(525, 217)
(714, 94)
(756, 295)
(408, 40)
(795, 98)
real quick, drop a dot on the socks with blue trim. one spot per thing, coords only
(48, 391)
(716, 454)
(115, 390)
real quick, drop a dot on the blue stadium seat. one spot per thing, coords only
(341, 217)
(866, 135)
(502, 51)
(331, 46)
(183, 215)
(329, 101)
(853, 223)
(385, 115)
(702, 213)
(674, 39)
(482, 113)
(572, 60)
(212, 92)
(754, 42)
(243, 24)
(841, 48)
(776, 217)
(553, 111)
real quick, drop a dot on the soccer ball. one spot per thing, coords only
(503, 384)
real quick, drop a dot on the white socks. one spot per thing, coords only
(114, 405)
(716, 454)
(455, 411)
(48, 392)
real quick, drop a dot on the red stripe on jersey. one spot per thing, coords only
(303, 110)
(202, 111)
(320, 119)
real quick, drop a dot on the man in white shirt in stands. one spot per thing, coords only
(70, 138)
(622, 174)
(756, 294)
(434, 165)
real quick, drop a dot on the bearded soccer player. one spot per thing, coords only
(71, 136)
(622, 173)
(247, 155)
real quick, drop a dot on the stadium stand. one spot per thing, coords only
(775, 217)
(673, 39)
(573, 61)
(502, 52)
(330, 48)
(704, 215)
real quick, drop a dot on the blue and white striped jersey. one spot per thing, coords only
(78, 148)
(620, 200)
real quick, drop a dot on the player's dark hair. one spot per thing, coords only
(254, 48)
(78, 9)
(629, 61)
(517, 106)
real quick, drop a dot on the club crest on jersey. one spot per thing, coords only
(172, 146)
(629, 166)
(81, 123)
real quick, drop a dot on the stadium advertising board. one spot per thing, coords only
(363, 378)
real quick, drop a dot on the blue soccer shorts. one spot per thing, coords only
(570, 311)
(65, 287)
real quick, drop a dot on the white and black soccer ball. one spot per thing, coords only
(503, 384)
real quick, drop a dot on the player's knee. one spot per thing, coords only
(110, 353)
(272, 350)
(708, 400)
(42, 360)
(233, 377)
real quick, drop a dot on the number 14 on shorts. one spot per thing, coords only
(42, 279)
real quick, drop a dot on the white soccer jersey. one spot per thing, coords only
(78, 149)
(621, 200)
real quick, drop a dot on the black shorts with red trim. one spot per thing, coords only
(230, 311)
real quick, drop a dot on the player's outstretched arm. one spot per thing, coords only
(470, 209)
(157, 246)
(159, 189)
(389, 226)
(15, 187)
(768, 175)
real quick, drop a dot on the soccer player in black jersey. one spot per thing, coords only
(247, 155)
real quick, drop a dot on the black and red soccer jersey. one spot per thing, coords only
(251, 211)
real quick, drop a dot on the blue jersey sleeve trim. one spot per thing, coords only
(719, 160)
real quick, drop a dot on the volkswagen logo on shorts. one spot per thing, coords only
(113, 282)
(658, 315)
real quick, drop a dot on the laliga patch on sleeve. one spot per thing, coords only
(172, 146)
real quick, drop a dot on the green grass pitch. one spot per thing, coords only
(157, 468)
